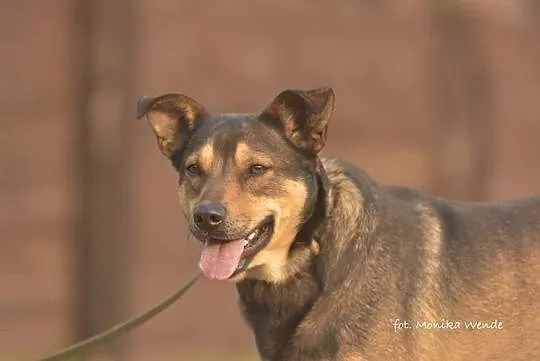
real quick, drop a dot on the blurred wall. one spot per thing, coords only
(382, 59)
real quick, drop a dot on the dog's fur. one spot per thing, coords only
(347, 257)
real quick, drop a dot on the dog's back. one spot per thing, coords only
(477, 288)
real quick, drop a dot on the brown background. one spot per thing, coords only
(442, 99)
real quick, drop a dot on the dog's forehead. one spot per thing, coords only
(236, 123)
(225, 131)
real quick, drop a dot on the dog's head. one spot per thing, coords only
(247, 182)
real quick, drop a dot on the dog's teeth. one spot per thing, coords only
(252, 235)
(246, 242)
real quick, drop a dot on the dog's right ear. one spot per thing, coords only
(171, 117)
(303, 116)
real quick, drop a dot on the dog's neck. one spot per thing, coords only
(274, 310)
(307, 235)
(291, 299)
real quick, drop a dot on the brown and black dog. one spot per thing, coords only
(331, 266)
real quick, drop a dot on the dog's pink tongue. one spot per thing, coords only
(220, 260)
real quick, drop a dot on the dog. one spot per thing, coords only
(331, 266)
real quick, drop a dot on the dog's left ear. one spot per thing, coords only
(303, 115)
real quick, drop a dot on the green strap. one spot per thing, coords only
(119, 329)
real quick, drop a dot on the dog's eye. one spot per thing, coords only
(257, 169)
(194, 169)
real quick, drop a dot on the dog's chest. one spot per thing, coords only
(275, 312)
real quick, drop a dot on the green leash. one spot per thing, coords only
(119, 329)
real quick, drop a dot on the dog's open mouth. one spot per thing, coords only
(223, 259)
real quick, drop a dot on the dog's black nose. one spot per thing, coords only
(207, 216)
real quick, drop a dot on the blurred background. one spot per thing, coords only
(442, 95)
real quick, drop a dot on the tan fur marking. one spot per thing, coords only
(244, 155)
(271, 263)
(431, 230)
(429, 298)
(206, 156)
(185, 203)
(206, 159)
(351, 357)
(315, 248)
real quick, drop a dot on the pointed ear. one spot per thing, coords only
(171, 117)
(303, 116)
